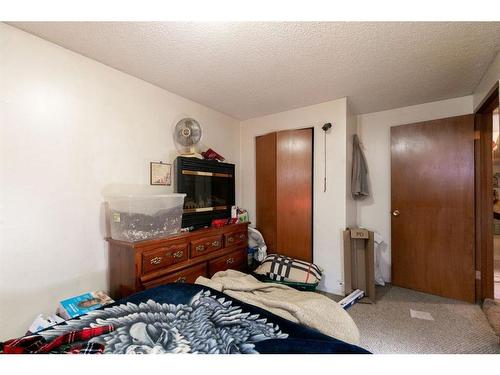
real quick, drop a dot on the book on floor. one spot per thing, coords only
(82, 304)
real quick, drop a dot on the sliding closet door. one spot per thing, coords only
(265, 170)
(294, 173)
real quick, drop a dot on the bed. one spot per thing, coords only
(180, 318)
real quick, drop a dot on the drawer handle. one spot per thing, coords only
(230, 261)
(178, 254)
(215, 243)
(200, 248)
(230, 239)
(156, 260)
(181, 279)
(242, 236)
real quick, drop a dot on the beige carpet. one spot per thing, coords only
(492, 310)
(458, 327)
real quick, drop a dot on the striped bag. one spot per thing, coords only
(283, 268)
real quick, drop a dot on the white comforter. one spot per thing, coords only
(308, 308)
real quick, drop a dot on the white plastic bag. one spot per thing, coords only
(380, 246)
(41, 323)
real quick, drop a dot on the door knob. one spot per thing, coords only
(396, 212)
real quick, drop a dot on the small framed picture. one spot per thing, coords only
(161, 173)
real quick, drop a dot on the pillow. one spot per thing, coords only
(282, 268)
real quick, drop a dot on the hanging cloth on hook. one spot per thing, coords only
(359, 177)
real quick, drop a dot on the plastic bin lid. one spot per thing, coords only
(130, 191)
(145, 195)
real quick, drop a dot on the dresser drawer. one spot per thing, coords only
(187, 275)
(163, 256)
(235, 260)
(205, 245)
(235, 238)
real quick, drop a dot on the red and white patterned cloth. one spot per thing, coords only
(36, 344)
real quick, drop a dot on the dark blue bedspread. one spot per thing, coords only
(180, 318)
(300, 339)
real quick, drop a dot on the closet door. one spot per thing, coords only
(265, 174)
(294, 174)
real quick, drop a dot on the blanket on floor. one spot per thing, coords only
(308, 308)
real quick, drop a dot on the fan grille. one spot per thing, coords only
(187, 132)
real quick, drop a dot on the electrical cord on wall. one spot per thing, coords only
(325, 128)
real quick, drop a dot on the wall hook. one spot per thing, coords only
(325, 128)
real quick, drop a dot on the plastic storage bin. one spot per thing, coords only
(139, 217)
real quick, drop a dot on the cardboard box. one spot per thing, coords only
(359, 262)
(360, 233)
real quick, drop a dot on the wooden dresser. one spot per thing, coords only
(135, 266)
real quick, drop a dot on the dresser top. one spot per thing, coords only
(183, 235)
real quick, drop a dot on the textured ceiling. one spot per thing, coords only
(252, 69)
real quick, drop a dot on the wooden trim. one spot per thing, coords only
(488, 100)
(312, 195)
(484, 206)
(206, 174)
(477, 208)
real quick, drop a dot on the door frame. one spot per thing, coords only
(483, 166)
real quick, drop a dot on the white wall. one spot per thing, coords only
(351, 204)
(489, 79)
(329, 208)
(374, 133)
(69, 127)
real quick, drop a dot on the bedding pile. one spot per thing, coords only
(308, 308)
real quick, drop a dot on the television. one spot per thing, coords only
(209, 188)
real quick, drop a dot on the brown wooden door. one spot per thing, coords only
(265, 189)
(284, 173)
(294, 193)
(432, 198)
